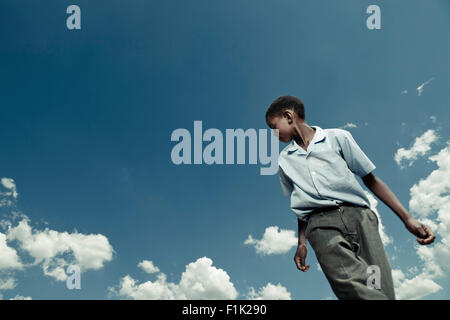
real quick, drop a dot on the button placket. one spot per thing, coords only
(313, 174)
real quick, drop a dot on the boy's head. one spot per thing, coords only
(283, 114)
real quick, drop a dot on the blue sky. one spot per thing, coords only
(86, 118)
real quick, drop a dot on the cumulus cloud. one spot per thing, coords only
(415, 288)
(156, 290)
(429, 195)
(420, 147)
(430, 204)
(8, 256)
(269, 292)
(274, 241)
(56, 250)
(200, 281)
(148, 266)
(52, 250)
(373, 205)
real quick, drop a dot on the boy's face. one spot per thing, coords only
(283, 126)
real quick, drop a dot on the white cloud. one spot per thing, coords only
(51, 249)
(373, 205)
(8, 256)
(5, 202)
(398, 277)
(413, 270)
(420, 147)
(9, 184)
(21, 298)
(269, 292)
(48, 247)
(156, 290)
(430, 204)
(7, 284)
(422, 86)
(200, 281)
(416, 288)
(274, 241)
(433, 119)
(148, 266)
(349, 125)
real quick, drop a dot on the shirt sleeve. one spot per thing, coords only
(356, 159)
(285, 182)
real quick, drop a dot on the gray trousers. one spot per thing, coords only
(346, 242)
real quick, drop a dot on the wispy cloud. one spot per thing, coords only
(422, 86)
(7, 284)
(9, 184)
(348, 125)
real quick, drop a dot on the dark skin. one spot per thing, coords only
(290, 126)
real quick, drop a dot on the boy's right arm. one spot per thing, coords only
(300, 254)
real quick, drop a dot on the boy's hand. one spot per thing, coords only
(424, 234)
(300, 258)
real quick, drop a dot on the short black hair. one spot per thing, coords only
(286, 102)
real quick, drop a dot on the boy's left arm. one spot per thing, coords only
(384, 193)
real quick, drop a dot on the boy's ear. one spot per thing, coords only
(289, 116)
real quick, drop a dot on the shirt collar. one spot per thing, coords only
(319, 136)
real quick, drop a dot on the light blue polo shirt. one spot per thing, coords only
(324, 175)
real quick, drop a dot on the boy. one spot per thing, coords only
(317, 171)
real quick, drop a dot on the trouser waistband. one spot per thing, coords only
(329, 208)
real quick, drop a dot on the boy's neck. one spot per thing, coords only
(304, 134)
